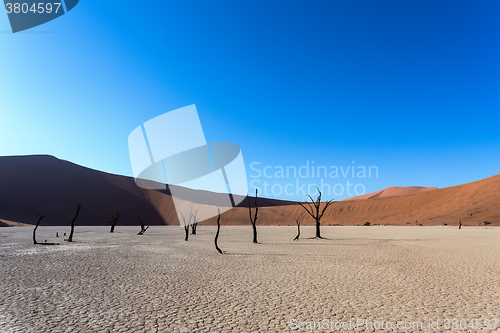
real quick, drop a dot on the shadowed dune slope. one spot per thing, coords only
(50, 186)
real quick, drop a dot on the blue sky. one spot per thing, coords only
(408, 86)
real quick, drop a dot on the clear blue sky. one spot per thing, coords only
(412, 87)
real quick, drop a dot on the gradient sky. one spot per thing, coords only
(411, 87)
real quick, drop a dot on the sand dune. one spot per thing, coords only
(6, 223)
(474, 203)
(50, 186)
(391, 192)
(47, 185)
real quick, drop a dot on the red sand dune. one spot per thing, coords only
(47, 185)
(474, 203)
(391, 192)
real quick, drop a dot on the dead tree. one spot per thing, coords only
(186, 225)
(298, 230)
(34, 230)
(254, 219)
(114, 219)
(217, 234)
(313, 209)
(460, 224)
(70, 239)
(143, 230)
(195, 224)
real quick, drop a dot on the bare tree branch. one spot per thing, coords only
(113, 221)
(254, 219)
(315, 212)
(327, 204)
(307, 210)
(70, 238)
(186, 225)
(143, 230)
(194, 225)
(298, 230)
(217, 234)
(36, 227)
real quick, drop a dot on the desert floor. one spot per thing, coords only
(157, 282)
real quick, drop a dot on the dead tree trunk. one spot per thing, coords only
(34, 230)
(254, 219)
(217, 235)
(114, 219)
(143, 230)
(186, 226)
(70, 239)
(298, 230)
(195, 224)
(460, 224)
(314, 210)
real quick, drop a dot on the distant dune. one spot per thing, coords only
(50, 186)
(5, 223)
(391, 192)
(474, 203)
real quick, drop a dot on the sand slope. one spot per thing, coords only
(391, 192)
(50, 186)
(429, 207)
(47, 185)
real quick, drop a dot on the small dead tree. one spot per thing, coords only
(254, 219)
(314, 207)
(460, 224)
(70, 238)
(36, 227)
(186, 225)
(195, 224)
(143, 229)
(114, 219)
(217, 234)
(298, 230)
